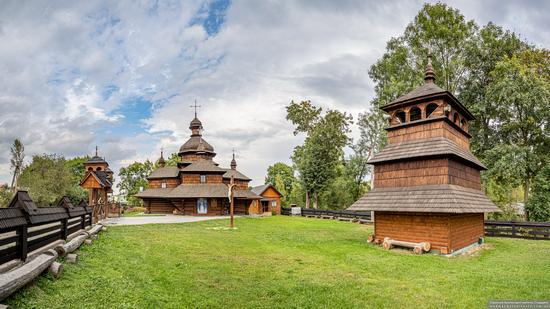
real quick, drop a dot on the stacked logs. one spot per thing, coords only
(16, 278)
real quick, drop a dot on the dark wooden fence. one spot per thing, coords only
(330, 212)
(24, 227)
(514, 229)
(518, 229)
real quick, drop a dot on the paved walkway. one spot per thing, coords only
(161, 219)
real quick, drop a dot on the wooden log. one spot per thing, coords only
(88, 241)
(56, 269)
(4, 306)
(364, 221)
(71, 258)
(346, 219)
(95, 229)
(418, 248)
(18, 277)
(71, 246)
(387, 244)
(426, 246)
(104, 229)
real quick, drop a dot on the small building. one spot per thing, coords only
(271, 199)
(98, 180)
(426, 181)
(198, 186)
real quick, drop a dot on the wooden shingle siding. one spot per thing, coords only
(160, 206)
(428, 130)
(464, 175)
(411, 173)
(170, 183)
(465, 229)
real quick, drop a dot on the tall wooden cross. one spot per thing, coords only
(195, 106)
(230, 196)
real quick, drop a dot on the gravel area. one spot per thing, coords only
(161, 219)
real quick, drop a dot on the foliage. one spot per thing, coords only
(77, 171)
(171, 161)
(16, 161)
(308, 264)
(281, 176)
(317, 158)
(5, 195)
(371, 140)
(538, 205)
(48, 178)
(132, 178)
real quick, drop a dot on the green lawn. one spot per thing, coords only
(283, 262)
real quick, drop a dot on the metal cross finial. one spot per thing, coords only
(161, 151)
(196, 106)
(96, 150)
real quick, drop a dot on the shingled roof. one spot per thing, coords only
(203, 166)
(429, 198)
(196, 143)
(423, 148)
(196, 191)
(165, 172)
(236, 175)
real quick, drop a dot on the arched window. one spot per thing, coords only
(400, 116)
(463, 123)
(430, 109)
(90, 169)
(456, 119)
(415, 114)
(98, 169)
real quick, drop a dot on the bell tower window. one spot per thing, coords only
(203, 178)
(430, 109)
(415, 114)
(400, 116)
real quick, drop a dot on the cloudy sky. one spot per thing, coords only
(123, 74)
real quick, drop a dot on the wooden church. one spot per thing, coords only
(426, 180)
(198, 186)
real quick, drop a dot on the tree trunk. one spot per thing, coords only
(71, 246)
(315, 199)
(307, 199)
(525, 197)
(20, 276)
(13, 186)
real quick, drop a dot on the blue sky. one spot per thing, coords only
(122, 75)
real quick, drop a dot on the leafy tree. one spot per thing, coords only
(521, 85)
(438, 29)
(47, 178)
(538, 205)
(282, 177)
(132, 178)
(16, 161)
(173, 160)
(5, 195)
(489, 46)
(77, 171)
(372, 139)
(317, 159)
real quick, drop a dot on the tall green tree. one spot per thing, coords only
(317, 158)
(490, 45)
(438, 29)
(371, 140)
(5, 195)
(132, 178)
(77, 171)
(538, 205)
(282, 177)
(16, 161)
(47, 179)
(521, 85)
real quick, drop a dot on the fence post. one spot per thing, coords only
(23, 248)
(83, 221)
(64, 230)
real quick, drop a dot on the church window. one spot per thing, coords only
(415, 114)
(400, 116)
(463, 123)
(430, 109)
(90, 169)
(456, 118)
(98, 169)
(163, 185)
(203, 178)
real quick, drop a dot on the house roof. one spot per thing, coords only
(96, 159)
(196, 191)
(428, 198)
(424, 148)
(196, 143)
(165, 172)
(259, 190)
(236, 175)
(203, 166)
(103, 178)
(422, 91)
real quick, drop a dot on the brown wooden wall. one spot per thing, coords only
(170, 183)
(159, 206)
(426, 172)
(196, 157)
(239, 184)
(445, 232)
(196, 178)
(428, 130)
(465, 229)
(273, 195)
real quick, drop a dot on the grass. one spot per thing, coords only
(283, 262)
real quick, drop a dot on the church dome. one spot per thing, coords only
(195, 124)
(195, 144)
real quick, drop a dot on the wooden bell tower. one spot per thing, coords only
(98, 181)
